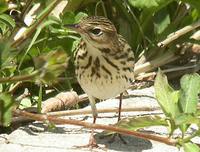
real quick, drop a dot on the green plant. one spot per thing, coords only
(35, 48)
(179, 108)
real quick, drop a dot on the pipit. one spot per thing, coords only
(104, 62)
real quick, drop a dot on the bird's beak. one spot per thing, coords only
(74, 27)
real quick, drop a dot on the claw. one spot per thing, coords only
(92, 144)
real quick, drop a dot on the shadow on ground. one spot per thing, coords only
(132, 143)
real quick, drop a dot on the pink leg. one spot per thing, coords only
(92, 141)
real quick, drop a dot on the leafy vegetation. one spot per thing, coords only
(180, 106)
(36, 51)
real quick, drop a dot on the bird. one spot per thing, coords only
(104, 62)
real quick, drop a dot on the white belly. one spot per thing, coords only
(103, 87)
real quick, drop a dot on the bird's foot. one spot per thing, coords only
(92, 144)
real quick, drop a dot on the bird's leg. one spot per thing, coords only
(120, 106)
(119, 118)
(92, 141)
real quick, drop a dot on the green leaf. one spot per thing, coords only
(6, 103)
(79, 16)
(167, 97)
(2, 27)
(51, 65)
(190, 88)
(151, 5)
(187, 119)
(3, 6)
(71, 18)
(25, 103)
(27, 70)
(7, 20)
(141, 122)
(195, 14)
(191, 147)
(136, 122)
(38, 31)
(161, 21)
(144, 3)
(68, 18)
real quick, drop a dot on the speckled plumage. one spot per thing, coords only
(105, 73)
(104, 62)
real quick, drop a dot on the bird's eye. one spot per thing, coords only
(96, 31)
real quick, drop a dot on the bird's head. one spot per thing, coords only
(96, 30)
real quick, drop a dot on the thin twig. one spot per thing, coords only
(40, 117)
(19, 78)
(179, 33)
(108, 110)
(164, 59)
(82, 112)
(175, 69)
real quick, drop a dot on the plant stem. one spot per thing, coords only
(179, 33)
(104, 9)
(108, 110)
(40, 117)
(164, 59)
(39, 104)
(19, 78)
(187, 139)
